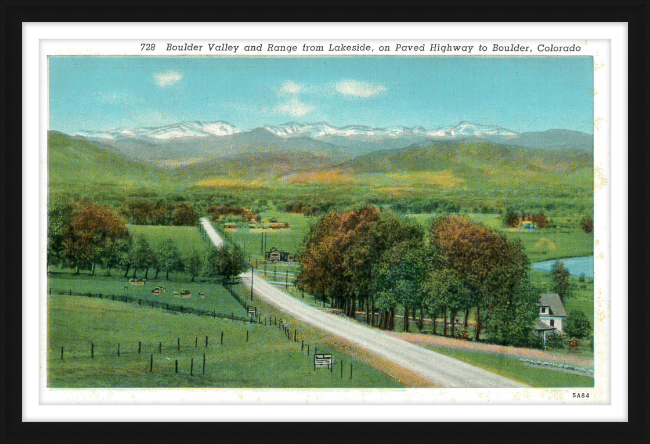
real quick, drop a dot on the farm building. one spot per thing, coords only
(528, 225)
(275, 255)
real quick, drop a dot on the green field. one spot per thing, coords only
(185, 238)
(216, 297)
(290, 240)
(514, 369)
(267, 360)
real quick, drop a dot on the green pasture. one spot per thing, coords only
(267, 360)
(291, 240)
(515, 369)
(185, 238)
(216, 299)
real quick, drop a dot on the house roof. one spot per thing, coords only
(540, 326)
(554, 302)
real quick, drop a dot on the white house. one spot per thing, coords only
(551, 314)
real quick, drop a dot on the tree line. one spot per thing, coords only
(84, 236)
(383, 262)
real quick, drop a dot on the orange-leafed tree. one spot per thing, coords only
(490, 266)
(323, 260)
(89, 234)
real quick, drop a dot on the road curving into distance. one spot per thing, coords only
(438, 368)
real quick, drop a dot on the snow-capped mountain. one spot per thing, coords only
(194, 140)
(322, 129)
(467, 129)
(168, 132)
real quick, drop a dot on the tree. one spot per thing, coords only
(184, 214)
(193, 264)
(489, 265)
(511, 219)
(561, 281)
(587, 225)
(512, 323)
(225, 262)
(323, 261)
(446, 292)
(58, 216)
(169, 257)
(87, 232)
(141, 256)
(400, 280)
(577, 325)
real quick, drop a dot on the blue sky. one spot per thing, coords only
(521, 94)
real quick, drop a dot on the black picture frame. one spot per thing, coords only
(635, 13)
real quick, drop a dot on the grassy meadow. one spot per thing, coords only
(186, 239)
(267, 360)
(215, 297)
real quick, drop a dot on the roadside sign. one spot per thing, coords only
(252, 312)
(323, 361)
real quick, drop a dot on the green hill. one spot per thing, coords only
(77, 165)
(477, 173)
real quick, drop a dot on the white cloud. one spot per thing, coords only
(116, 98)
(358, 89)
(167, 78)
(292, 88)
(295, 108)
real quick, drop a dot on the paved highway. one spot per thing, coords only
(438, 368)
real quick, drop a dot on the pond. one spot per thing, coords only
(575, 265)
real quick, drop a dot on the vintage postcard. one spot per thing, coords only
(299, 221)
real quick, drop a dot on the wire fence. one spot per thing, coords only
(170, 307)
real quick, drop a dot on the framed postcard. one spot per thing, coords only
(325, 222)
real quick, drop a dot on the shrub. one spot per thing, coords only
(555, 342)
(577, 325)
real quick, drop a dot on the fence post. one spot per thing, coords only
(204, 363)
(179, 344)
(177, 366)
(192, 367)
(221, 338)
(341, 369)
(246, 335)
(307, 349)
(302, 345)
(206, 341)
(196, 342)
(295, 332)
(62, 353)
(139, 346)
(151, 365)
(350, 371)
(92, 350)
(214, 314)
(70, 292)
(160, 347)
(315, 348)
(118, 349)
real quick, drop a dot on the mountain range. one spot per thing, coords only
(190, 143)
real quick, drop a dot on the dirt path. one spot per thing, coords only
(514, 352)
